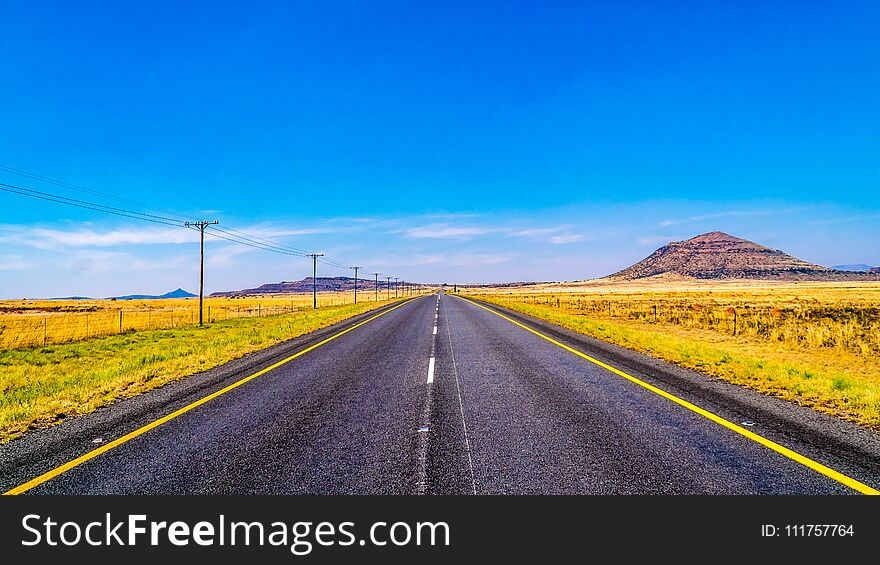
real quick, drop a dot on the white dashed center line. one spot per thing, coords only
(431, 370)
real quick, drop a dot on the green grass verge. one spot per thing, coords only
(40, 386)
(833, 382)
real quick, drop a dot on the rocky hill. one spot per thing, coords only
(717, 255)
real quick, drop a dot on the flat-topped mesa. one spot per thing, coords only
(323, 284)
(717, 255)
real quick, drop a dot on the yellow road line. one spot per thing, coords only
(782, 450)
(142, 430)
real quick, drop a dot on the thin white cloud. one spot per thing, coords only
(845, 219)
(476, 259)
(13, 263)
(45, 238)
(567, 238)
(445, 231)
(225, 256)
(92, 262)
(728, 214)
(392, 262)
(538, 232)
(450, 216)
(288, 232)
(357, 220)
(83, 235)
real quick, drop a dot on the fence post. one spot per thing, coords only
(209, 313)
(44, 331)
(734, 322)
(120, 320)
(655, 313)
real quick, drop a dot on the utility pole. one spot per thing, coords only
(377, 285)
(314, 257)
(396, 285)
(355, 283)
(388, 286)
(201, 227)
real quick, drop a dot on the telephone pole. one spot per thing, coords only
(396, 286)
(377, 285)
(355, 283)
(201, 227)
(388, 286)
(314, 257)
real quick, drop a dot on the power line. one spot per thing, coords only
(79, 188)
(225, 233)
(230, 234)
(258, 239)
(253, 242)
(355, 282)
(90, 205)
(201, 227)
(314, 257)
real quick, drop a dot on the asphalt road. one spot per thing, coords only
(499, 410)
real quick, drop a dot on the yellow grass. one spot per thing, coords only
(817, 344)
(39, 386)
(27, 323)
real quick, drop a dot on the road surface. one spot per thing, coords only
(441, 395)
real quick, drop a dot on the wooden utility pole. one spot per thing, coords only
(314, 257)
(377, 285)
(201, 227)
(355, 283)
(388, 286)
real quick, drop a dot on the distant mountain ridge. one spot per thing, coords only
(179, 293)
(324, 284)
(717, 255)
(858, 268)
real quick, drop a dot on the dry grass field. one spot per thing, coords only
(28, 323)
(79, 371)
(817, 344)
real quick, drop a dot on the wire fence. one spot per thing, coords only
(852, 327)
(66, 327)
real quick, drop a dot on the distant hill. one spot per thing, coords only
(324, 284)
(179, 293)
(858, 267)
(717, 255)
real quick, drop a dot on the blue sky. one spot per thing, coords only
(437, 141)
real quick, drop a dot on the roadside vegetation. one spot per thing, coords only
(818, 346)
(25, 323)
(40, 386)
